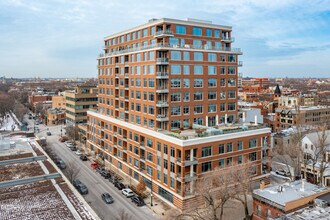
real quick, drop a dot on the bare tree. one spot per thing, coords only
(72, 132)
(71, 171)
(123, 215)
(39, 108)
(322, 146)
(141, 187)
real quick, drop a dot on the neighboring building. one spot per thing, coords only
(34, 99)
(286, 117)
(168, 106)
(78, 101)
(58, 102)
(55, 116)
(277, 200)
(82, 130)
(302, 100)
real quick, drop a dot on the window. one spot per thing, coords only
(186, 110)
(172, 151)
(198, 109)
(211, 70)
(208, 32)
(221, 149)
(175, 69)
(198, 56)
(174, 41)
(231, 106)
(171, 182)
(232, 58)
(197, 44)
(197, 31)
(175, 83)
(198, 69)
(239, 145)
(144, 32)
(229, 161)
(136, 162)
(216, 33)
(212, 82)
(186, 70)
(231, 82)
(229, 147)
(186, 97)
(175, 110)
(151, 55)
(149, 170)
(206, 151)
(253, 156)
(198, 83)
(198, 96)
(198, 121)
(165, 179)
(186, 83)
(217, 45)
(186, 56)
(231, 94)
(212, 108)
(175, 55)
(222, 163)
(239, 159)
(180, 29)
(206, 166)
(212, 57)
(175, 124)
(176, 97)
(231, 70)
(223, 95)
(253, 143)
(212, 95)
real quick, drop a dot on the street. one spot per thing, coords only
(95, 183)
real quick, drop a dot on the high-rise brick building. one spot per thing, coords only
(167, 108)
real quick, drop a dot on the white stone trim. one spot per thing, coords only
(179, 142)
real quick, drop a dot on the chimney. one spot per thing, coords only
(262, 185)
(255, 120)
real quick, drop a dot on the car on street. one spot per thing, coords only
(127, 192)
(94, 165)
(105, 174)
(100, 169)
(107, 198)
(138, 200)
(78, 152)
(76, 182)
(82, 189)
(73, 148)
(83, 157)
(119, 185)
(60, 163)
(49, 133)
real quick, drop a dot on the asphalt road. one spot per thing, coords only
(95, 183)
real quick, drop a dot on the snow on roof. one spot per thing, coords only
(290, 192)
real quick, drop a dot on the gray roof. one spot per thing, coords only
(290, 192)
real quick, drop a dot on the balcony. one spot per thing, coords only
(187, 177)
(162, 118)
(162, 89)
(228, 39)
(162, 75)
(162, 104)
(167, 46)
(189, 162)
(166, 33)
(162, 61)
(240, 63)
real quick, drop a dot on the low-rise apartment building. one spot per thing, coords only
(55, 116)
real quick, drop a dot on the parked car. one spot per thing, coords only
(73, 148)
(127, 192)
(100, 169)
(83, 157)
(282, 172)
(94, 165)
(82, 189)
(60, 163)
(78, 152)
(119, 185)
(138, 200)
(107, 198)
(105, 174)
(76, 182)
(49, 133)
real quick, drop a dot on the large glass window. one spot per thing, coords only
(175, 124)
(198, 96)
(197, 44)
(186, 83)
(253, 156)
(174, 41)
(198, 56)
(186, 56)
(231, 106)
(208, 32)
(175, 69)
(175, 110)
(196, 31)
(180, 29)
(176, 97)
(186, 69)
(198, 83)
(212, 95)
(231, 94)
(211, 70)
(231, 70)
(175, 55)
(186, 97)
(221, 149)
(231, 82)
(206, 151)
(206, 166)
(212, 108)
(198, 69)
(253, 143)
(198, 109)
(216, 33)
(212, 82)
(212, 57)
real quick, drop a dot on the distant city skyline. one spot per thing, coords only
(60, 38)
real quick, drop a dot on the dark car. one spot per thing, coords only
(76, 183)
(83, 157)
(82, 189)
(61, 164)
(49, 133)
(73, 148)
(105, 174)
(107, 198)
(119, 185)
(138, 200)
(100, 169)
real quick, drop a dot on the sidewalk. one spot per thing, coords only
(159, 207)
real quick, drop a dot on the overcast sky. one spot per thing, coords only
(62, 38)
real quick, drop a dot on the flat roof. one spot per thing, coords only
(290, 192)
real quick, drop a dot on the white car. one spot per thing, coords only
(78, 152)
(127, 192)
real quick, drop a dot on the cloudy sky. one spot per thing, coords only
(62, 38)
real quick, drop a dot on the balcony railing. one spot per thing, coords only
(161, 118)
(162, 75)
(162, 60)
(162, 104)
(190, 161)
(228, 39)
(163, 33)
(161, 45)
